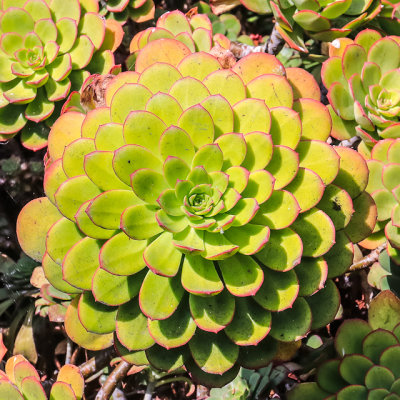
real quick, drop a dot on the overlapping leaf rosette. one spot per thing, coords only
(196, 33)
(384, 187)
(21, 381)
(122, 10)
(362, 78)
(198, 217)
(367, 367)
(47, 49)
(321, 20)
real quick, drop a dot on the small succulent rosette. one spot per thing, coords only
(321, 20)
(21, 381)
(367, 367)
(199, 216)
(122, 10)
(47, 49)
(363, 89)
(196, 33)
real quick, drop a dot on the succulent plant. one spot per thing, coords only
(367, 366)
(321, 20)
(122, 10)
(360, 76)
(50, 302)
(385, 273)
(384, 187)
(225, 24)
(389, 17)
(198, 217)
(47, 49)
(196, 33)
(22, 381)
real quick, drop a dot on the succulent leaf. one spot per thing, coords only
(366, 366)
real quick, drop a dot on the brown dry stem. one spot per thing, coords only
(273, 46)
(369, 259)
(110, 384)
(96, 363)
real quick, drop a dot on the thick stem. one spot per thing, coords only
(111, 382)
(68, 352)
(149, 390)
(369, 259)
(273, 46)
(350, 142)
(96, 363)
(275, 42)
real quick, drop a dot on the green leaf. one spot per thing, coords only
(76, 331)
(167, 360)
(212, 313)
(130, 158)
(81, 262)
(96, 317)
(132, 329)
(144, 129)
(139, 222)
(293, 323)
(162, 257)
(251, 323)
(197, 122)
(67, 33)
(242, 275)
(199, 276)
(174, 331)
(73, 193)
(213, 353)
(106, 209)
(160, 296)
(148, 185)
(60, 238)
(114, 290)
(122, 255)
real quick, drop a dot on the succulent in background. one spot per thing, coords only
(384, 187)
(50, 302)
(389, 17)
(22, 381)
(385, 273)
(367, 366)
(195, 33)
(257, 6)
(225, 24)
(198, 216)
(47, 49)
(320, 20)
(362, 78)
(122, 10)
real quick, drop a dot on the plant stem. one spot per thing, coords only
(68, 351)
(96, 363)
(150, 389)
(273, 46)
(111, 382)
(369, 259)
(274, 43)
